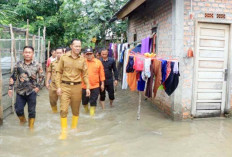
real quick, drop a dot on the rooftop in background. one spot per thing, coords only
(129, 7)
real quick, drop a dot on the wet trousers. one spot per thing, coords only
(71, 95)
(21, 101)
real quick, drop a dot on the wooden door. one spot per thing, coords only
(210, 70)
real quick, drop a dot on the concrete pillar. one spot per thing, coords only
(178, 52)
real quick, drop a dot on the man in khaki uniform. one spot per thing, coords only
(51, 74)
(70, 71)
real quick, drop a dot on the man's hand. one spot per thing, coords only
(59, 91)
(115, 83)
(48, 85)
(102, 87)
(10, 93)
(87, 92)
(11, 81)
(36, 89)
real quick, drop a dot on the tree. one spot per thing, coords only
(66, 19)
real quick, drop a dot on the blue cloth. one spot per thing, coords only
(164, 70)
(137, 49)
(130, 65)
(141, 84)
(122, 57)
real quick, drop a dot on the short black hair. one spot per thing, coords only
(60, 48)
(75, 39)
(68, 49)
(103, 49)
(29, 47)
(52, 50)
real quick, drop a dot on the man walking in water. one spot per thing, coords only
(51, 75)
(109, 67)
(30, 77)
(96, 75)
(70, 71)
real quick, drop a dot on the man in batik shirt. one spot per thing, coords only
(29, 77)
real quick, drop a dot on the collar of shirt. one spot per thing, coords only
(70, 55)
(105, 60)
(28, 64)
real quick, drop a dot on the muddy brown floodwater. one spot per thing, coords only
(115, 132)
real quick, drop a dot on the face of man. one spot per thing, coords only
(76, 47)
(59, 53)
(104, 54)
(54, 54)
(89, 56)
(28, 54)
(98, 55)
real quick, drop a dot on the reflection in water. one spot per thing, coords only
(115, 132)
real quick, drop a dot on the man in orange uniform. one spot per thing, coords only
(96, 75)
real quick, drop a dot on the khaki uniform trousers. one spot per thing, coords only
(53, 97)
(71, 95)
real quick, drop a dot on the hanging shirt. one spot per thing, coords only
(164, 70)
(141, 84)
(158, 75)
(110, 50)
(172, 81)
(130, 65)
(145, 45)
(137, 49)
(124, 77)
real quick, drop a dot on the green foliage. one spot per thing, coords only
(65, 19)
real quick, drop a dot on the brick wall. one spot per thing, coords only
(141, 22)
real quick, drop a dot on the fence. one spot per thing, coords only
(12, 41)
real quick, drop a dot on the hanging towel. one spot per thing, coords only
(176, 68)
(150, 82)
(145, 45)
(146, 69)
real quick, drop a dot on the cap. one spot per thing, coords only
(89, 50)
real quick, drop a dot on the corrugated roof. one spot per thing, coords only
(130, 6)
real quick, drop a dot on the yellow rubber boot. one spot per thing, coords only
(86, 107)
(74, 122)
(92, 111)
(54, 109)
(64, 126)
(31, 123)
(22, 120)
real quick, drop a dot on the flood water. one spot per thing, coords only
(116, 132)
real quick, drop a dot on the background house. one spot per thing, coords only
(203, 26)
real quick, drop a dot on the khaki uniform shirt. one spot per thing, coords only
(52, 69)
(71, 70)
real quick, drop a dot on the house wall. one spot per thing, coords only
(141, 21)
(199, 8)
